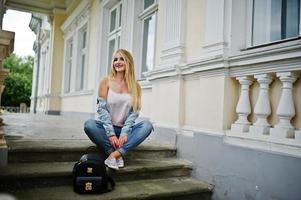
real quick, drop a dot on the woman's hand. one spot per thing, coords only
(114, 141)
(122, 140)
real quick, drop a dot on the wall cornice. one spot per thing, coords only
(248, 62)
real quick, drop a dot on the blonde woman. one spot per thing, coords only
(118, 106)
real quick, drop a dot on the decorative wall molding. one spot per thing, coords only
(289, 147)
(80, 14)
(174, 41)
(78, 93)
(250, 62)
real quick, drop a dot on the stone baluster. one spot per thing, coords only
(263, 107)
(243, 108)
(286, 108)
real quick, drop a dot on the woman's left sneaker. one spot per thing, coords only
(120, 162)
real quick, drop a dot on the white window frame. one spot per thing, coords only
(68, 68)
(81, 68)
(115, 34)
(146, 14)
(249, 39)
(72, 28)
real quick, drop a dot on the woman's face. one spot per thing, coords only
(118, 63)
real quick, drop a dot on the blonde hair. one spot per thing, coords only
(132, 84)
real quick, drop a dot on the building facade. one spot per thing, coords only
(220, 80)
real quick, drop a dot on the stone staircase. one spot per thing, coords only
(41, 169)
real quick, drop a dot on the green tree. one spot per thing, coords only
(18, 83)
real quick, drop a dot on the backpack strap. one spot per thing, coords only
(111, 183)
(98, 149)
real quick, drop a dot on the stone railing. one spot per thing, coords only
(282, 129)
(12, 109)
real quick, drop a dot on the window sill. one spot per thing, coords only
(272, 43)
(287, 146)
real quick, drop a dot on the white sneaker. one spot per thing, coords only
(120, 162)
(111, 163)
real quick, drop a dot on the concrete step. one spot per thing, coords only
(27, 175)
(71, 150)
(155, 189)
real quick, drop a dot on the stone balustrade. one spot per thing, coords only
(285, 112)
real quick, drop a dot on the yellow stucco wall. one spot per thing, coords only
(230, 99)
(296, 121)
(56, 61)
(77, 104)
(165, 102)
(146, 103)
(204, 103)
(195, 23)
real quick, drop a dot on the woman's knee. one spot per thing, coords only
(148, 126)
(88, 126)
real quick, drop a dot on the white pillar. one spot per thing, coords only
(215, 28)
(173, 51)
(243, 108)
(286, 108)
(262, 108)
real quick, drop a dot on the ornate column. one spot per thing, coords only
(286, 108)
(262, 108)
(243, 108)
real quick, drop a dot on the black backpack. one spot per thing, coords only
(90, 174)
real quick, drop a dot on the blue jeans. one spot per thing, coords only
(97, 134)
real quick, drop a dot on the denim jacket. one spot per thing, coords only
(104, 117)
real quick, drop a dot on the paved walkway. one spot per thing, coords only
(40, 127)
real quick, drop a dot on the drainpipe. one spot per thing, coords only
(35, 97)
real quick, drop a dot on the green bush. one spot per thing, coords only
(18, 83)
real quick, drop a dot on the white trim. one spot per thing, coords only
(249, 23)
(153, 14)
(174, 39)
(198, 130)
(78, 93)
(269, 59)
(149, 11)
(265, 143)
(78, 20)
(75, 16)
(166, 125)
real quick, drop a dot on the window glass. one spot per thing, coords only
(113, 20)
(148, 3)
(275, 20)
(120, 15)
(68, 66)
(82, 71)
(84, 39)
(114, 33)
(81, 66)
(110, 55)
(148, 44)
